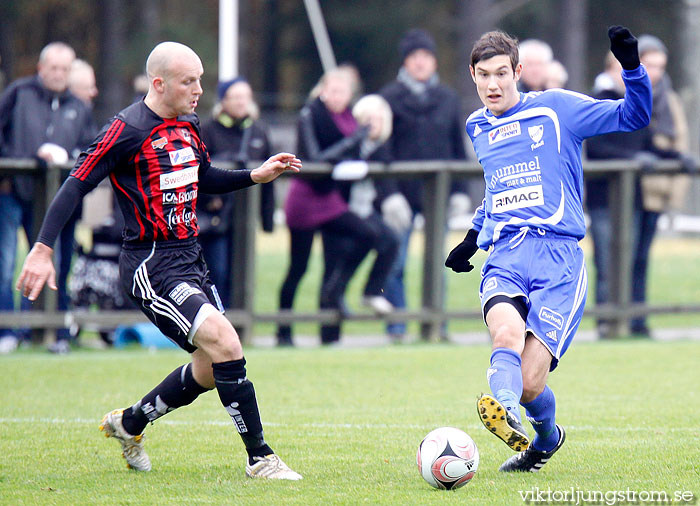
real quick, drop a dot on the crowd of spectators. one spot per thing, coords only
(48, 117)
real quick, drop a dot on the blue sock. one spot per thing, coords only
(506, 379)
(541, 413)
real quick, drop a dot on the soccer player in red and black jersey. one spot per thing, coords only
(157, 164)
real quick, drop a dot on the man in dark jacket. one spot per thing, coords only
(428, 125)
(617, 145)
(39, 117)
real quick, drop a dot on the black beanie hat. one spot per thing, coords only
(416, 39)
(223, 86)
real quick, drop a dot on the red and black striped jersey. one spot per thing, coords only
(156, 167)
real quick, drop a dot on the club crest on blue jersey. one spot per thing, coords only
(536, 132)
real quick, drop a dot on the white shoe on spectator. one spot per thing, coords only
(378, 303)
(60, 347)
(8, 344)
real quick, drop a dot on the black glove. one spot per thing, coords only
(624, 46)
(458, 259)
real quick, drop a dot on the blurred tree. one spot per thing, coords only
(8, 22)
(277, 51)
(112, 26)
(475, 18)
(572, 39)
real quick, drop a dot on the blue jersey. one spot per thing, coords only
(531, 156)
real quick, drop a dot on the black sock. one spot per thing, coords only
(177, 390)
(238, 397)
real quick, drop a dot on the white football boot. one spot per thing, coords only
(132, 446)
(271, 467)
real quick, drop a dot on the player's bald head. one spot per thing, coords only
(166, 54)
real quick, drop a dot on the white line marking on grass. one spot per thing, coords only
(351, 426)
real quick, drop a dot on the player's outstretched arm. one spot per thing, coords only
(274, 166)
(37, 270)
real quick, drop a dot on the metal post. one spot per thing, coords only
(436, 190)
(323, 41)
(228, 39)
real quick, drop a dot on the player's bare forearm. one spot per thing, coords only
(274, 166)
(37, 270)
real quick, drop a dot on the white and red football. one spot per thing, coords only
(447, 458)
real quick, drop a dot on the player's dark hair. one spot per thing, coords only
(493, 44)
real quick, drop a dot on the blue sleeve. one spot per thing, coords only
(479, 215)
(587, 116)
(478, 218)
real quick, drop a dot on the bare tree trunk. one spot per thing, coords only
(475, 18)
(271, 80)
(151, 21)
(112, 96)
(8, 21)
(573, 16)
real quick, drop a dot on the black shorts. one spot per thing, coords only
(170, 282)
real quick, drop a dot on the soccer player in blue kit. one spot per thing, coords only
(533, 287)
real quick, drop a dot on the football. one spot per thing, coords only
(447, 458)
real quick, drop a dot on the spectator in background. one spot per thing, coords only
(557, 76)
(373, 112)
(39, 117)
(428, 125)
(328, 132)
(667, 138)
(535, 56)
(82, 82)
(140, 87)
(233, 135)
(622, 145)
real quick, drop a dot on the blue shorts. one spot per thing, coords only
(549, 271)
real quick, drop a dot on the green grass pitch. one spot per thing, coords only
(349, 420)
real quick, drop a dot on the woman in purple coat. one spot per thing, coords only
(328, 132)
